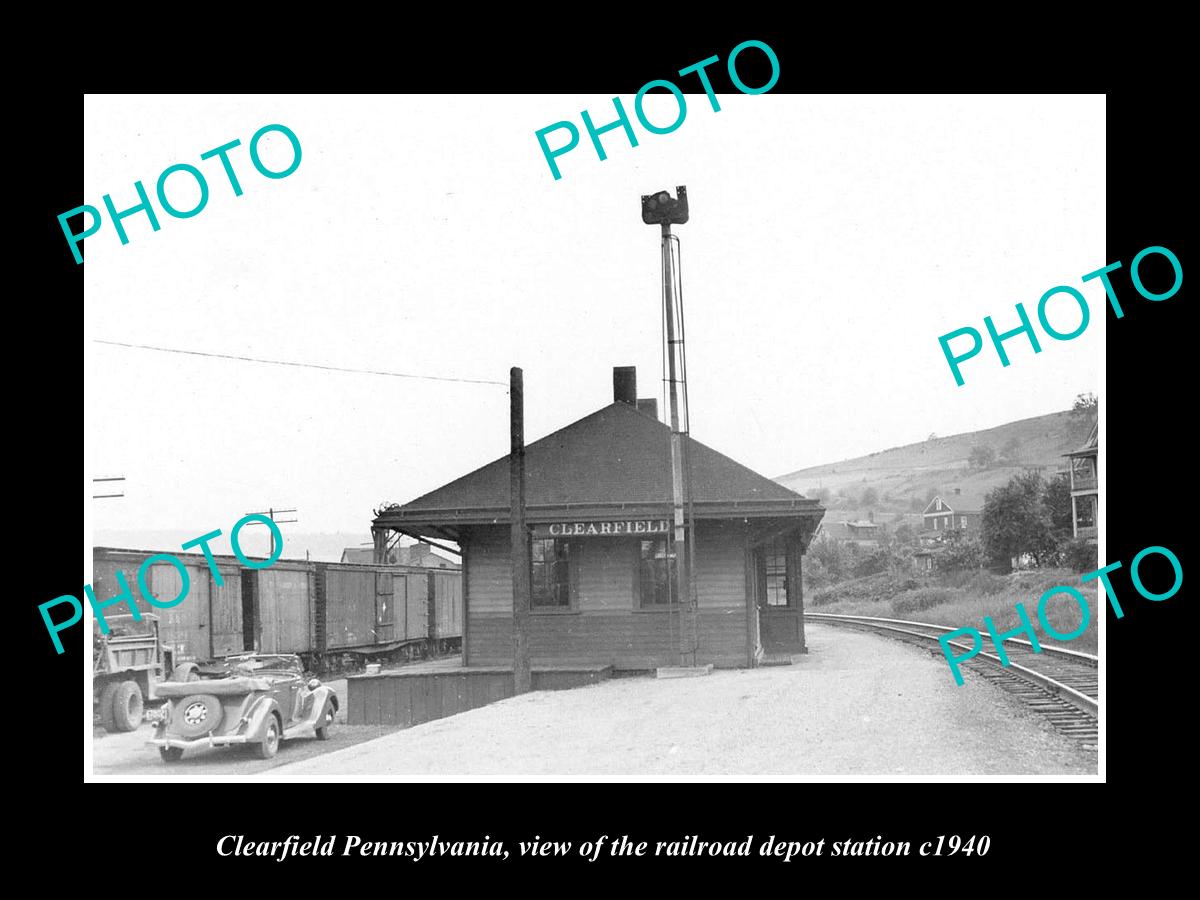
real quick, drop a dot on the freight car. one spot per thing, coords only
(331, 614)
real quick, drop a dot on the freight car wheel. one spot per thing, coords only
(127, 706)
(269, 745)
(170, 754)
(106, 706)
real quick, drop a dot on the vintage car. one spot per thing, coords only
(257, 699)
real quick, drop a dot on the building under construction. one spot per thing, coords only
(604, 557)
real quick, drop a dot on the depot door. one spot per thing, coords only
(777, 584)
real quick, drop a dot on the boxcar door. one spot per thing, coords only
(416, 607)
(184, 627)
(225, 612)
(283, 610)
(385, 608)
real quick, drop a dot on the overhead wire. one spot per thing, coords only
(301, 365)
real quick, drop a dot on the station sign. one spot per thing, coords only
(624, 528)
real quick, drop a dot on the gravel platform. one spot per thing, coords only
(855, 705)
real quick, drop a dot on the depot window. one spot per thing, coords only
(657, 583)
(775, 580)
(550, 579)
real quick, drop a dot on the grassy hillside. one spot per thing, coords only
(903, 478)
(964, 598)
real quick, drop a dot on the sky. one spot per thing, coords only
(832, 240)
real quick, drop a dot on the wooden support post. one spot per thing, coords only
(520, 537)
(796, 588)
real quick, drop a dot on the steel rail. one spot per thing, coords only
(1078, 699)
(1045, 648)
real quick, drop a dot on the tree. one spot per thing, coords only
(1010, 450)
(1085, 405)
(1056, 498)
(872, 561)
(1015, 522)
(870, 498)
(831, 557)
(905, 534)
(962, 552)
(982, 456)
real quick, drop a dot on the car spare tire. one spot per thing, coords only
(196, 715)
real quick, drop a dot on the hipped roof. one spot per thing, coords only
(616, 461)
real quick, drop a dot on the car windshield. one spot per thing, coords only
(265, 663)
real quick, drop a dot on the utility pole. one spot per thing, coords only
(271, 513)
(522, 678)
(663, 210)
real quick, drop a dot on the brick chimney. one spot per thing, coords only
(625, 385)
(648, 405)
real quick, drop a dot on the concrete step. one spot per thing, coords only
(682, 671)
(780, 659)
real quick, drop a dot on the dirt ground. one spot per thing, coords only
(856, 705)
(127, 756)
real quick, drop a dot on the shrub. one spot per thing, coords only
(921, 598)
(963, 553)
(871, 562)
(981, 456)
(1080, 556)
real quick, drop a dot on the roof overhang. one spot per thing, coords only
(449, 521)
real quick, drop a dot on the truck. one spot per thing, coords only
(128, 664)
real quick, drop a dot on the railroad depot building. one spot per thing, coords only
(598, 507)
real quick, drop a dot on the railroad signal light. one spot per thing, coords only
(662, 209)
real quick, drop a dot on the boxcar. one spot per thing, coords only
(380, 608)
(208, 624)
(282, 601)
(445, 594)
(321, 611)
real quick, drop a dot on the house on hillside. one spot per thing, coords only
(416, 555)
(1085, 490)
(953, 511)
(604, 561)
(861, 532)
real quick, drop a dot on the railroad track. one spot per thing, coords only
(1058, 683)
